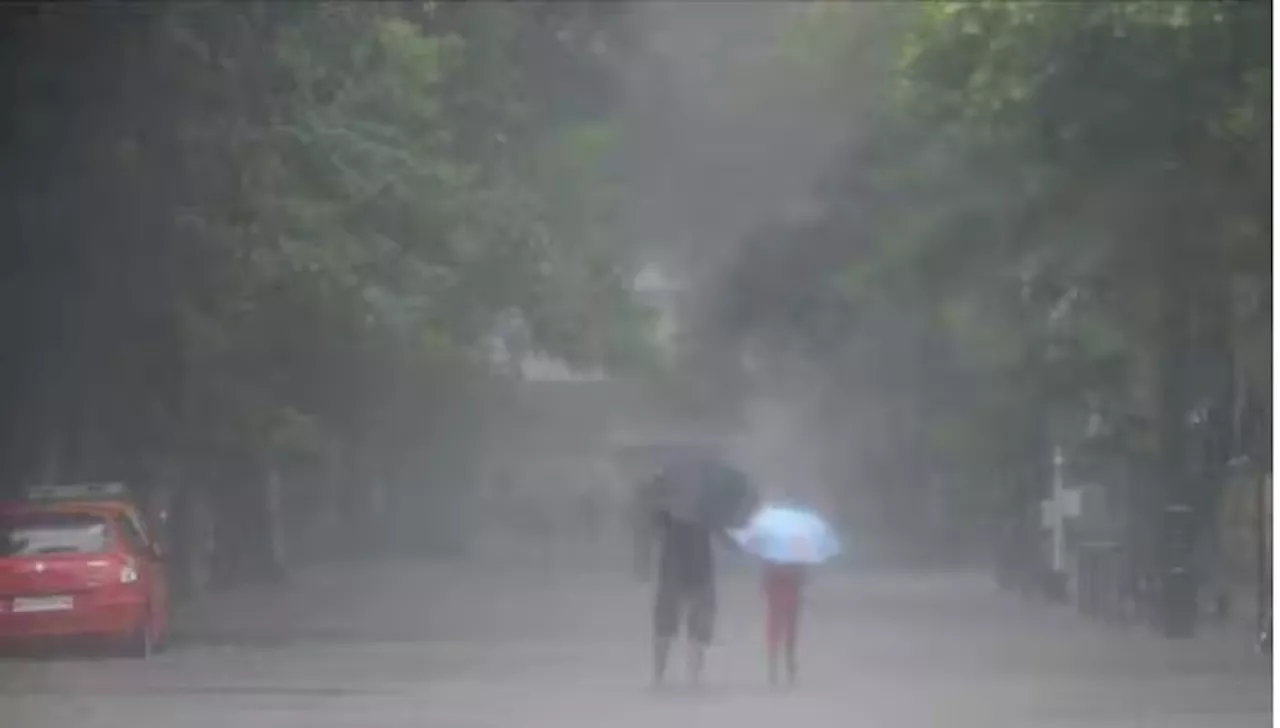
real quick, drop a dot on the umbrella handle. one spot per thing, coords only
(729, 539)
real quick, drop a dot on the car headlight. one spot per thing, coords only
(128, 574)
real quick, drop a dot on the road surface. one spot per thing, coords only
(422, 644)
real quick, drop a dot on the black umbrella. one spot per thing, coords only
(701, 490)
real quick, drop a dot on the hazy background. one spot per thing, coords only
(415, 279)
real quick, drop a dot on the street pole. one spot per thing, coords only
(1262, 542)
(1177, 612)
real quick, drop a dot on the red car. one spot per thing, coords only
(76, 561)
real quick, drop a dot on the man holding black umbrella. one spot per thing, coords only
(687, 505)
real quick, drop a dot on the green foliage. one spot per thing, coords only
(998, 236)
(329, 207)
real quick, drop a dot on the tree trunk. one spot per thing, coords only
(194, 547)
(1177, 613)
(277, 551)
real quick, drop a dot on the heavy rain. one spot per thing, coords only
(514, 364)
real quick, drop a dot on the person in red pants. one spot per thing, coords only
(783, 584)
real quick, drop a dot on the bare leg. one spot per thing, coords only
(697, 658)
(700, 628)
(665, 620)
(661, 648)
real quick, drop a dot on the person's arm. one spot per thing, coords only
(722, 536)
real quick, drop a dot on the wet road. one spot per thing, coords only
(416, 644)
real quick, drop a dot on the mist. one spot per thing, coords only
(719, 145)
(520, 364)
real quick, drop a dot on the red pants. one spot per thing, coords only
(782, 594)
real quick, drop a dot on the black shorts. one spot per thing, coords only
(695, 602)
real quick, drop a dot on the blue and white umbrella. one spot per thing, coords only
(788, 534)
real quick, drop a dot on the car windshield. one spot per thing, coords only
(52, 533)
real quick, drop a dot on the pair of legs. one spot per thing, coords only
(696, 604)
(782, 587)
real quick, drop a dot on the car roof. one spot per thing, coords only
(105, 509)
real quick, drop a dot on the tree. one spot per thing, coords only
(1162, 103)
(996, 240)
(312, 214)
